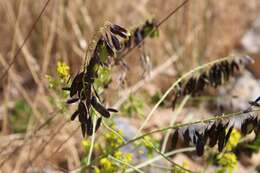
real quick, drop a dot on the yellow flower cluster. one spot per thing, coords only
(62, 70)
(233, 140)
(228, 161)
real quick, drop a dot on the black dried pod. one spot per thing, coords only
(76, 84)
(99, 120)
(199, 144)
(137, 36)
(73, 100)
(82, 112)
(228, 134)
(186, 136)
(190, 86)
(221, 136)
(225, 70)
(99, 107)
(234, 67)
(248, 125)
(253, 103)
(83, 129)
(74, 115)
(118, 30)
(88, 95)
(257, 100)
(200, 83)
(175, 137)
(112, 110)
(89, 125)
(213, 135)
(115, 42)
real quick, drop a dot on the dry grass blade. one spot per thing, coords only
(25, 40)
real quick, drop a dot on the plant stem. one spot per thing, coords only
(174, 85)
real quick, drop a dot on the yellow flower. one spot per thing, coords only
(128, 157)
(228, 161)
(233, 140)
(86, 144)
(62, 70)
(106, 163)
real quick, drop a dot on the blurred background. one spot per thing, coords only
(201, 31)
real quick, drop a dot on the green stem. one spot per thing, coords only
(175, 127)
(175, 84)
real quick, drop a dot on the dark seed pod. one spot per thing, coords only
(76, 84)
(74, 115)
(112, 110)
(234, 67)
(118, 30)
(73, 100)
(221, 136)
(187, 136)
(175, 137)
(100, 108)
(89, 126)
(138, 36)
(213, 137)
(82, 113)
(115, 42)
(248, 125)
(99, 120)
(199, 144)
(83, 129)
(228, 134)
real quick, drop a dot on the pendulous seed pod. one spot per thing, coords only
(186, 136)
(74, 115)
(73, 100)
(115, 42)
(83, 129)
(112, 110)
(76, 84)
(199, 144)
(221, 136)
(175, 137)
(89, 125)
(99, 107)
(228, 134)
(98, 124)
(118, 30)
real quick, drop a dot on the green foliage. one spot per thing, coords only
(110, 142)
(134, 105)
(156, 97)
(103, 79)
(20, 117)
(56, 83)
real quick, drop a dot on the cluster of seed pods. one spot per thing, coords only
(216, 75)
(217, 132)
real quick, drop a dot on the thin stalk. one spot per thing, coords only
(113, 131)
(25, 40)
(174, 85)
(92, 142)
(148, 162)
(218, 117)
(125, 163)
(175, 114)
